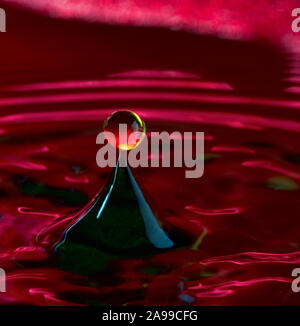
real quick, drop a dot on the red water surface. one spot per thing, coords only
(60, 79)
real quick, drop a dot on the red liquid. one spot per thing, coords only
(53, 104)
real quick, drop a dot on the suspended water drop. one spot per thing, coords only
(118, 222)
(122, 124)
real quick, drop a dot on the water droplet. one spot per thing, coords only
(133, 124)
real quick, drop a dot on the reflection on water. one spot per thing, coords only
(244, 222)
(243, 213)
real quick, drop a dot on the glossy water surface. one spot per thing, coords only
(243, 213)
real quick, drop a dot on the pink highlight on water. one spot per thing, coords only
(272, 167)
(233, 149)
(223, 211)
